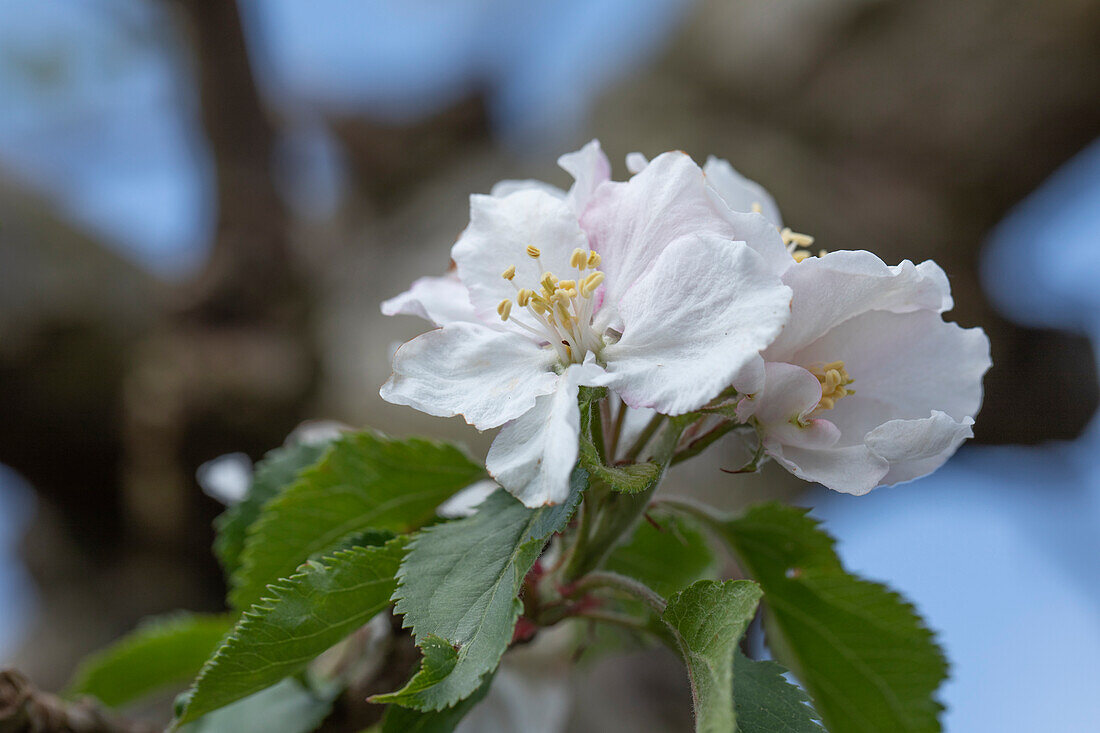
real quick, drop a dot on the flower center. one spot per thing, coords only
(560, 311)
(834, 380)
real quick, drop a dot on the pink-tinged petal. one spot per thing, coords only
(508, 187)
(631, 223)
(739, 193)
(854, 469)
(441, 300)
(497, 237)
(790, 394)
(589, 167)
(489, 377)
(904, 366)
(835, 288)
(695, 323)
(533, 456)
(916, 448)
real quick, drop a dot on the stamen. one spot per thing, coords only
(579, 259)
(590, 283)
(795, 238)
(800, 255)
(757, 208)
(504, 309)
(509, 273)
(594, 260)
(834, 380)
(533, 252)
(523, 297)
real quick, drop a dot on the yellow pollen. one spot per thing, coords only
(523, 297)
(509, 273)
(579, 259)
(594, 259)
(533, 252)
(504, 309)
(795, 238)
(834, 380)
(800, 254)
(567, 284)
(757, 208)
(590, 283)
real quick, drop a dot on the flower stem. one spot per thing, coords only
(647, 433)
(611, 617)
(704, 441)
(598, 579)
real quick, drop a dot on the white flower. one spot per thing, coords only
(866, 385)
(666, 308)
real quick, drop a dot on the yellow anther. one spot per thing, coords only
(567, 284)
(579, 259)
(538, 305)
(533, 252)
(504, 309)
(523, 297)
(590, 283)
(834, 380)
(800, 254)
(548, 283)
(509, 273)
(594, 259)
(795, 238)
(757, 208)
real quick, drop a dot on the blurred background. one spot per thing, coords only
(202, 204)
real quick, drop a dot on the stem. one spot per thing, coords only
(611, 617)
(598, 579)
(695, 509)
(639, 444)
(704, 441)
(617, 430)
(596, 430)
(584, 533)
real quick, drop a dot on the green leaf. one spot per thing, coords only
(407, 720)
(366, 481)
(299, 618)
(709, 618)
(630, 479)
(766, 702)
(459, 589)
(862, 652)
(286, 707)
(277, 469)
(160, 653)
(667, 559)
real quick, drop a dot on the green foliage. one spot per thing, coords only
(161, 653)
(862, 652)
(277, 470)
(287, 707)
(459, 589)
(408, 720)
(709, 618)
(366, 481)
(630, 479)
(766, 703)
(299, 618)
(667, 559)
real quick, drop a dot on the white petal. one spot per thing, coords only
(589, 168)
(497, 237)
(790, 393)
(636, 162)
(904, 366)
(854, 469)
(832, 289)
(465, 502)
(533, 456)
(631, 223)
(695, 324)
(740, 193)
(226, 478)
(441, 300)
(507, 187)
(935, 273)
(489, 377)
(915, 448)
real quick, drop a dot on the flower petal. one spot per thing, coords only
(915, 448)
(740, 193)
(441, 300)
(497, 237)
(695, 324)
(489, 377)
(855, 469)
(509, 186)
(589, 167)
(832, 289)
(636, 162)
(533, 456)
(790, 394)
(904, 366)
(631, 223)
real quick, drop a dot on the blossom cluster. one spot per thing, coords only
(680, 290)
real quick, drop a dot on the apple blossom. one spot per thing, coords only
(867, 385)
(646, 287)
